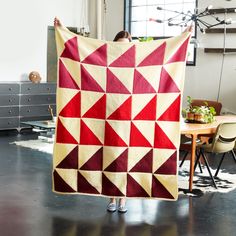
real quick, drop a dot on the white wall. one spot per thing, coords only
(202, 81)
(23, 43)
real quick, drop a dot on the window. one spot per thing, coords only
(138, 13)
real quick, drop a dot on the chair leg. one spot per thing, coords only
(197, 161)
(218, 168)
(182, 162)
(200, 167)
(208, 168)
(233, 154)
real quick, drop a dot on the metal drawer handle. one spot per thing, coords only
(28, 110)
(48, 88)
(8, 122)
(48, 99)
(10, 89)
(10, 100)
(29, 99)
(29, 88)
(9, 111)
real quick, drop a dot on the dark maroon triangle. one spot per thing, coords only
(120, 163)
(65, 79)
(108, 188)
(60, 185)
(98, 57)
(84, 186)
(169, 167)
(71, 49)
(167, 84)
(145, 164)
(134, 189)
(141, 85)
(158, 190)
(156, 57)
(94, 162)
(88, 82)
(70, 161)
(127, 59)
(180, 54)
(114, 85)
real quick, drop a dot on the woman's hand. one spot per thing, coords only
(57, 22)
(189, 29)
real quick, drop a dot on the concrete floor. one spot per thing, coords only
(28, 207)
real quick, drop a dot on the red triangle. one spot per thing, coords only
(149, 111)
(145, 164)
(60, 185)
(112, 138)
(173, 111)
(71, 49)
(94, 162)
(141, 85)
(65, 79)
(87, 137)
(127, 59)
(169, 167)
(70, 161)
(72, 108)
(98, 57)
(161, 140)
(63, 136)
(88, 82)
(84, 186)
(120, 163)
(123, 112)
(180, 54)
(137, 139)
(98, 110)
(158, 190)
(134, 189)
(108, 188)
(114, 85)
(156, 57)
(167, 84)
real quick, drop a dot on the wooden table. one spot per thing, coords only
(194, 130)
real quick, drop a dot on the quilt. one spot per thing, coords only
(118, 116)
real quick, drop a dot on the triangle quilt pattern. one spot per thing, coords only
(71, 50)
(118, 108)
(65, 79)
(114, 85)
(98, 57)
(71, 160)
(127, 59)
(141, 85)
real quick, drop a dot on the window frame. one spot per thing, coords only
(127, 26)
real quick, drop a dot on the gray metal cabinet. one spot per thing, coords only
(25, 101)
(9, 105)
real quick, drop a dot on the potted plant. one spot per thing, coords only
(188, 113)
(199, 114)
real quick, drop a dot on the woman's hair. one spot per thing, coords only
(123, 34)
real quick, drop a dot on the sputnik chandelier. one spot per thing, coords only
(199, 18)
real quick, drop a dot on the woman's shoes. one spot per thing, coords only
(122, 209)
(111, 207)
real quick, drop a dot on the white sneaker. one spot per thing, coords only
(122, 209)
(111, 207)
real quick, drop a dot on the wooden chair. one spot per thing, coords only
(186, 146)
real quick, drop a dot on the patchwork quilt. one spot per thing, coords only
(118, 109)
